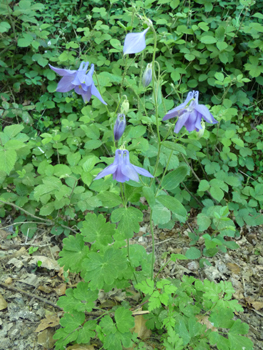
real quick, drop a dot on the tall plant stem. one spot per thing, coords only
(153, 248)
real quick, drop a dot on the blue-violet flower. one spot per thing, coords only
(78, 80)
(119, 126)
(122, 170)
(190, 114)
(134, 42)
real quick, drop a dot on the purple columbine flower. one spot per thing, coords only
(134, 42)
(119, 126)
(78, 80)
(190, 114)
(87, 88)
(122, 170)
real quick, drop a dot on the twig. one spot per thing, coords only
(3, 285)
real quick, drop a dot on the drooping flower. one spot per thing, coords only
(119, 126)
(190, 114)
(134, 42)
(69, 76)
(87, 88)
(122, 170)
(147, 76)
(78, 80)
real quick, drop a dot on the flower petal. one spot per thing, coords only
(175, 112)
(65, 84)
(134, 42)
(204, 111)
(191, 120)
(142, 171)
(95, 92)
(119, 176)
(129, 171)
(180, 122)
(111, 169)
(62, 72)
(86, 95)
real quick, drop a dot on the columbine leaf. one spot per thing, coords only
(104, 268)
(96, 229)
(73, 253)
(124, 319)
(128, 219)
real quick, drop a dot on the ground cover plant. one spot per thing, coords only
(90, 95)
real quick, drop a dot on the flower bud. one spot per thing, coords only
(119, 126)
(147, 76)
(200, 133)
(125, 107)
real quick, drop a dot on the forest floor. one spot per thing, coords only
(28, 293)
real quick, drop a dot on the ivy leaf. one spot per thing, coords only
(73, 253)
(96, 229)
(124, 319)
(104, 268)
(128, 219)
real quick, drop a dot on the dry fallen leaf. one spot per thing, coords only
(8, 280)
(3, 303)
(257, 305)
(61, 289)
(140, 327)
(49, 321)
(204, 320)
(45, 338)
(47, 263)
(233, 268)
(45, 289)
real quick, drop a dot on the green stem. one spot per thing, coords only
(151, 227)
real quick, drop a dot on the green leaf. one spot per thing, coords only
(174, 205)
(87, 332)
(217, 193)
(128, 219)
(73, 253)
(174, 146)
(174, 178)
(96, 229)
(124, 319)
(7, 160)
(61, 170)
(203, 185)
(149, 195)
(47, 209)
(193, 253)
(208, 39)
(160, 214)
(12, 130)
(4, 27)
(102, 269)
(109, 199)
(221, 45)
(72, 321)
(25, 41)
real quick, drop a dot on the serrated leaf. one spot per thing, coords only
(109, 199)
(96, 229)
(12, 130)
(124, 319)
(128, 219)
(217, 193)
(73, 253)
(104, 268)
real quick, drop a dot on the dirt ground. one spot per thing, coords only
(29, 292)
